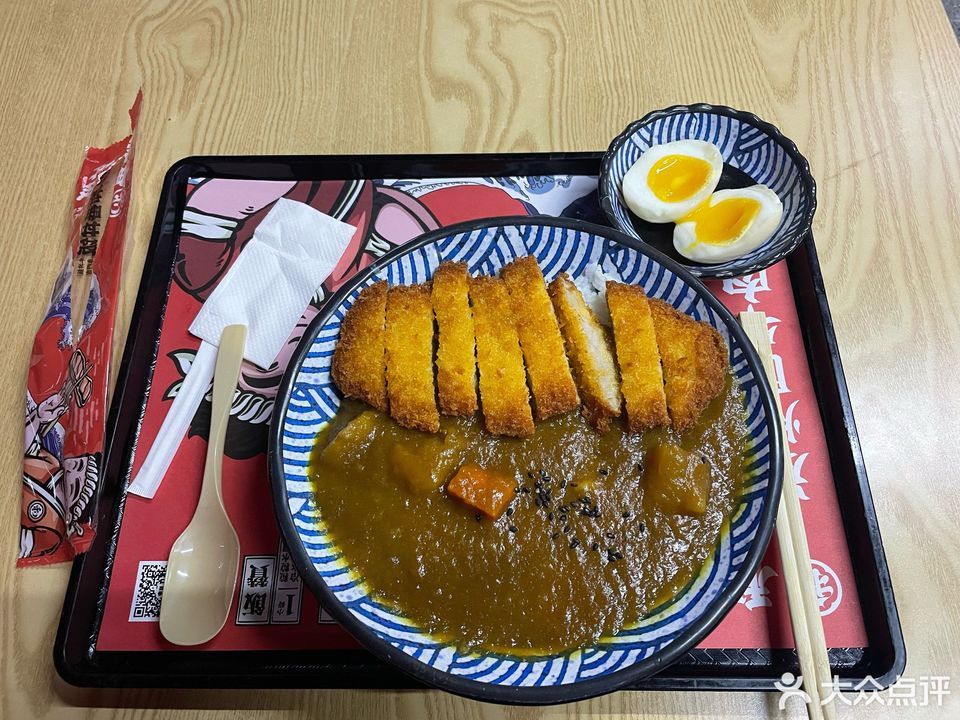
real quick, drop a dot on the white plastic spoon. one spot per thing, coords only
(202, 568)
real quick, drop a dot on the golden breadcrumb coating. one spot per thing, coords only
(503, 384)
(551, 382)
(358, 362)
(641, 380)
(590, 352)
(694, 359)
(409, 343)
(456, 362)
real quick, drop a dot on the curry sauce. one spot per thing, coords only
(603, 527)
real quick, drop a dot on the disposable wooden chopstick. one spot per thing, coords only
(795, 553)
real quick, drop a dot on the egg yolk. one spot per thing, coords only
(724, 222)
(674, 178)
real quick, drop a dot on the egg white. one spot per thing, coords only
(752, 237)
(641, 199)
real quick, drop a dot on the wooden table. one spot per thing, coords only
(869, 90)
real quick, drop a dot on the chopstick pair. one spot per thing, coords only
(795, 553)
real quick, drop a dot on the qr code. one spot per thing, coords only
(148, 591)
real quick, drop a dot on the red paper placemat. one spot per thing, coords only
(272, 610)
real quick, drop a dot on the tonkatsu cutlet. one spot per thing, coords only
(551, 383)
(694, 359)
(409, 344)
(590, 353)
(456, 362)
(503, 383)
(641, 380)
(358, 366)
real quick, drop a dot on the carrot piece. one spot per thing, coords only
(488, 491)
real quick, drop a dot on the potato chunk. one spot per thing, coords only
(424, 462)
(414, 466)
(678, 481)
(349, 445)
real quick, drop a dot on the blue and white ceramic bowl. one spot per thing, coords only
(308, 400)
(754, 151)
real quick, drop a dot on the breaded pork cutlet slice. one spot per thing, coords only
(358, 362)
(456, 362)
(694, 359)
(641, 380)
(551, 383)
(503, 383)
(409, 332)
(590, 352)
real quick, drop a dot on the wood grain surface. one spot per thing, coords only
(870, 91)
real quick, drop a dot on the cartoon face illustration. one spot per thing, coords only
(57, 492)
(221, 216)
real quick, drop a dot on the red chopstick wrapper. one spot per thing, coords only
(67, 383)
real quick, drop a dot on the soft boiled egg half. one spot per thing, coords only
(670, 180)
(728, 225)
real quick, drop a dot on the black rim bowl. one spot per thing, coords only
(608, 189)
(524, 695)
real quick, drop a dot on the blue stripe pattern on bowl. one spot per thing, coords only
(747, 143)
(314, 400)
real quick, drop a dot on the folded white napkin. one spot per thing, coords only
(293, 250)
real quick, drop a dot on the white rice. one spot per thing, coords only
(593, 285)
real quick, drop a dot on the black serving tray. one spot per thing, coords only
(79, 662)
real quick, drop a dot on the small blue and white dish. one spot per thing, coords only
(753, 150)
(308, 400)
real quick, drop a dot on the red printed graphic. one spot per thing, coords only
(66, 404)
(272, 609)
